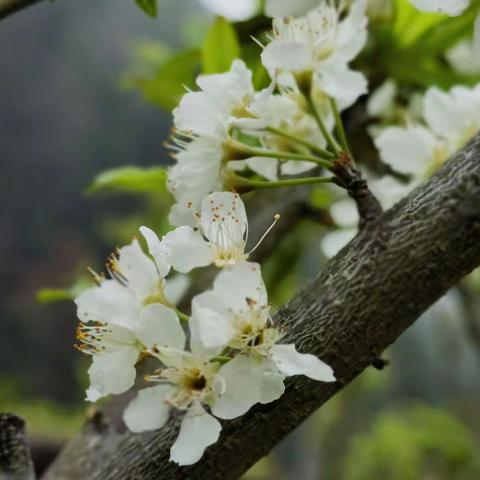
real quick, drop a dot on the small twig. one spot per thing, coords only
(348, 176)
(15, 457)
(380, 363)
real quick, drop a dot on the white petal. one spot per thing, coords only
(224, 220)
(342, 84)
(237, 284)
(290, 362)
(110, 302)
(92, 395)
(283, 55)
(345, 213)
(382, 101)
(159, 325)
(265, 167)
(157, 250)
(442, 114)
(237, 11)
(176, 287)
(247, 381)
(211, 320)
(333, 242)
(450, 7)
(138, 269)
(112, 373)
(294, 167)
(186, 249)
(407, 150)
(148, 410)
(196, 434)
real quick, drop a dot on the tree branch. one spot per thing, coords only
(15, 460)
(365, 297)
(7, 7)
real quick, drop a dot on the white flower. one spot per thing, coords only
(450, 7)
(322, 44)
(191, 382)
(237, 10)
(220, 238)
(120, 318)
(203, 122)
(451, 120)
(235, 315)
(381, 102)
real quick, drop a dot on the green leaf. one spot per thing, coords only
(168, 84)
(53, 295)
(148, 6)
(220, 47)
(130, 180)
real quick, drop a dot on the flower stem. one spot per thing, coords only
(321, 124)
(339, 128)
(314, 148)
(221, 359)
(181, 315)
(291, 182)
(259, 152)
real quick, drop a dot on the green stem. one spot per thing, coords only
(314, 148)
(181, 315)
(221, 359)
(293, 182)
(339, 126)
(258, 152)
(318, 118)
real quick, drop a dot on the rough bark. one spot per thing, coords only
(371, 292)
(7, 7)
(15, 459)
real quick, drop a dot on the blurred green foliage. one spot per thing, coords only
(148, 6)
(411, 444)
(45, 419)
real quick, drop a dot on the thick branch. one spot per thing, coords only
(7, 7)
(15, 459)
(362, 301)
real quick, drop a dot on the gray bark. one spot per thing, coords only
(371, 292)
(15, 459)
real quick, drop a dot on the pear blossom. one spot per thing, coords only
(235, 315)
(191, 382)
(450, 7)
(451, 119)
(203, 123)
(220, 237)
(120, 317)
(320, 45)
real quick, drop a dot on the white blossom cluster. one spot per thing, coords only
(228, 354)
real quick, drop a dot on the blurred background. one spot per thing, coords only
(68, 112)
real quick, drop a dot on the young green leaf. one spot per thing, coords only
(130, 180)
(148, 6)
(220, 47)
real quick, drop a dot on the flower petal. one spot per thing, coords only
(176, 287)
(197, 432)
(240, 284)
(157, 250)
(187, 249)
(159, 325)
(148, 410)
(290, 362)
(265, 167)
(112, 373)
(224, 219)
(138, 269)
(211, 320)
(110, 302)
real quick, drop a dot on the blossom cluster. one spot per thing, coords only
(229, 354)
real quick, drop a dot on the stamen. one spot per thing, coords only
(276, 217)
